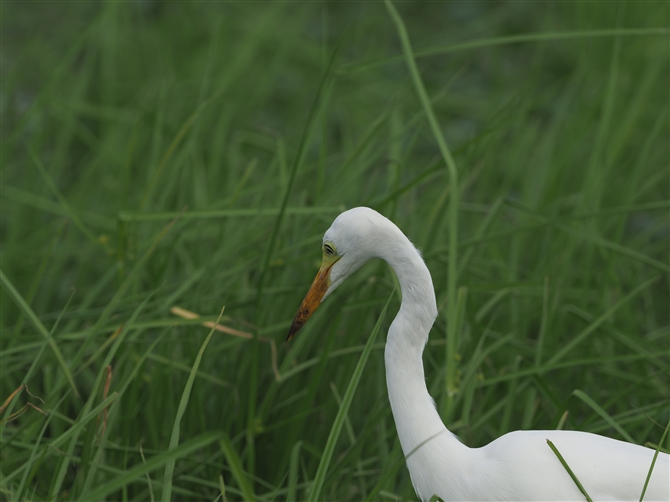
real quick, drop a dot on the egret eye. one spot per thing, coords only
(328, 249)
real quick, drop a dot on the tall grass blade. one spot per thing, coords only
(653, 462)
(183, 403)
(81, 423)
(618, 248)
(606, 416)
(39, 276)
(28, 312)
(597, 322)
(31, 466)
(222, 489)
(452, 273)
(204, 214)
(567, 468)
(317, 484)
(505, 40)
(292, 495)
(61, 199)
(391, 469)
(85, 471)
(36, 361)
(238, 472)
(305, 139)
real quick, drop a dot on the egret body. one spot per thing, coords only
(517, 466)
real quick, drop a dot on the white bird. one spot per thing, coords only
(517, 466)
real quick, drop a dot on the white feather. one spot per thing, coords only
(517, 466)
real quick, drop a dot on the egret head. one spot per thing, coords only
(350, 241)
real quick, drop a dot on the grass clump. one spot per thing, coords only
(164, 154)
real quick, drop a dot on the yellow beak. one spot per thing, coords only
(314, 295)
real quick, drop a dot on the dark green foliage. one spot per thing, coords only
(147, 149)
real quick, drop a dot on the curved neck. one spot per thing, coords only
(422, 433)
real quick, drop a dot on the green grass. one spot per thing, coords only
(162, 154)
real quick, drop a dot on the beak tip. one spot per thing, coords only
(291, 332)
(312, 301)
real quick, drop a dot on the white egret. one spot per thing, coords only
(517, 466)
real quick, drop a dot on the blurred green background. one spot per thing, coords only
(191, 154)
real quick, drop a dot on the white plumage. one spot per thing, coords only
(517, 466)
